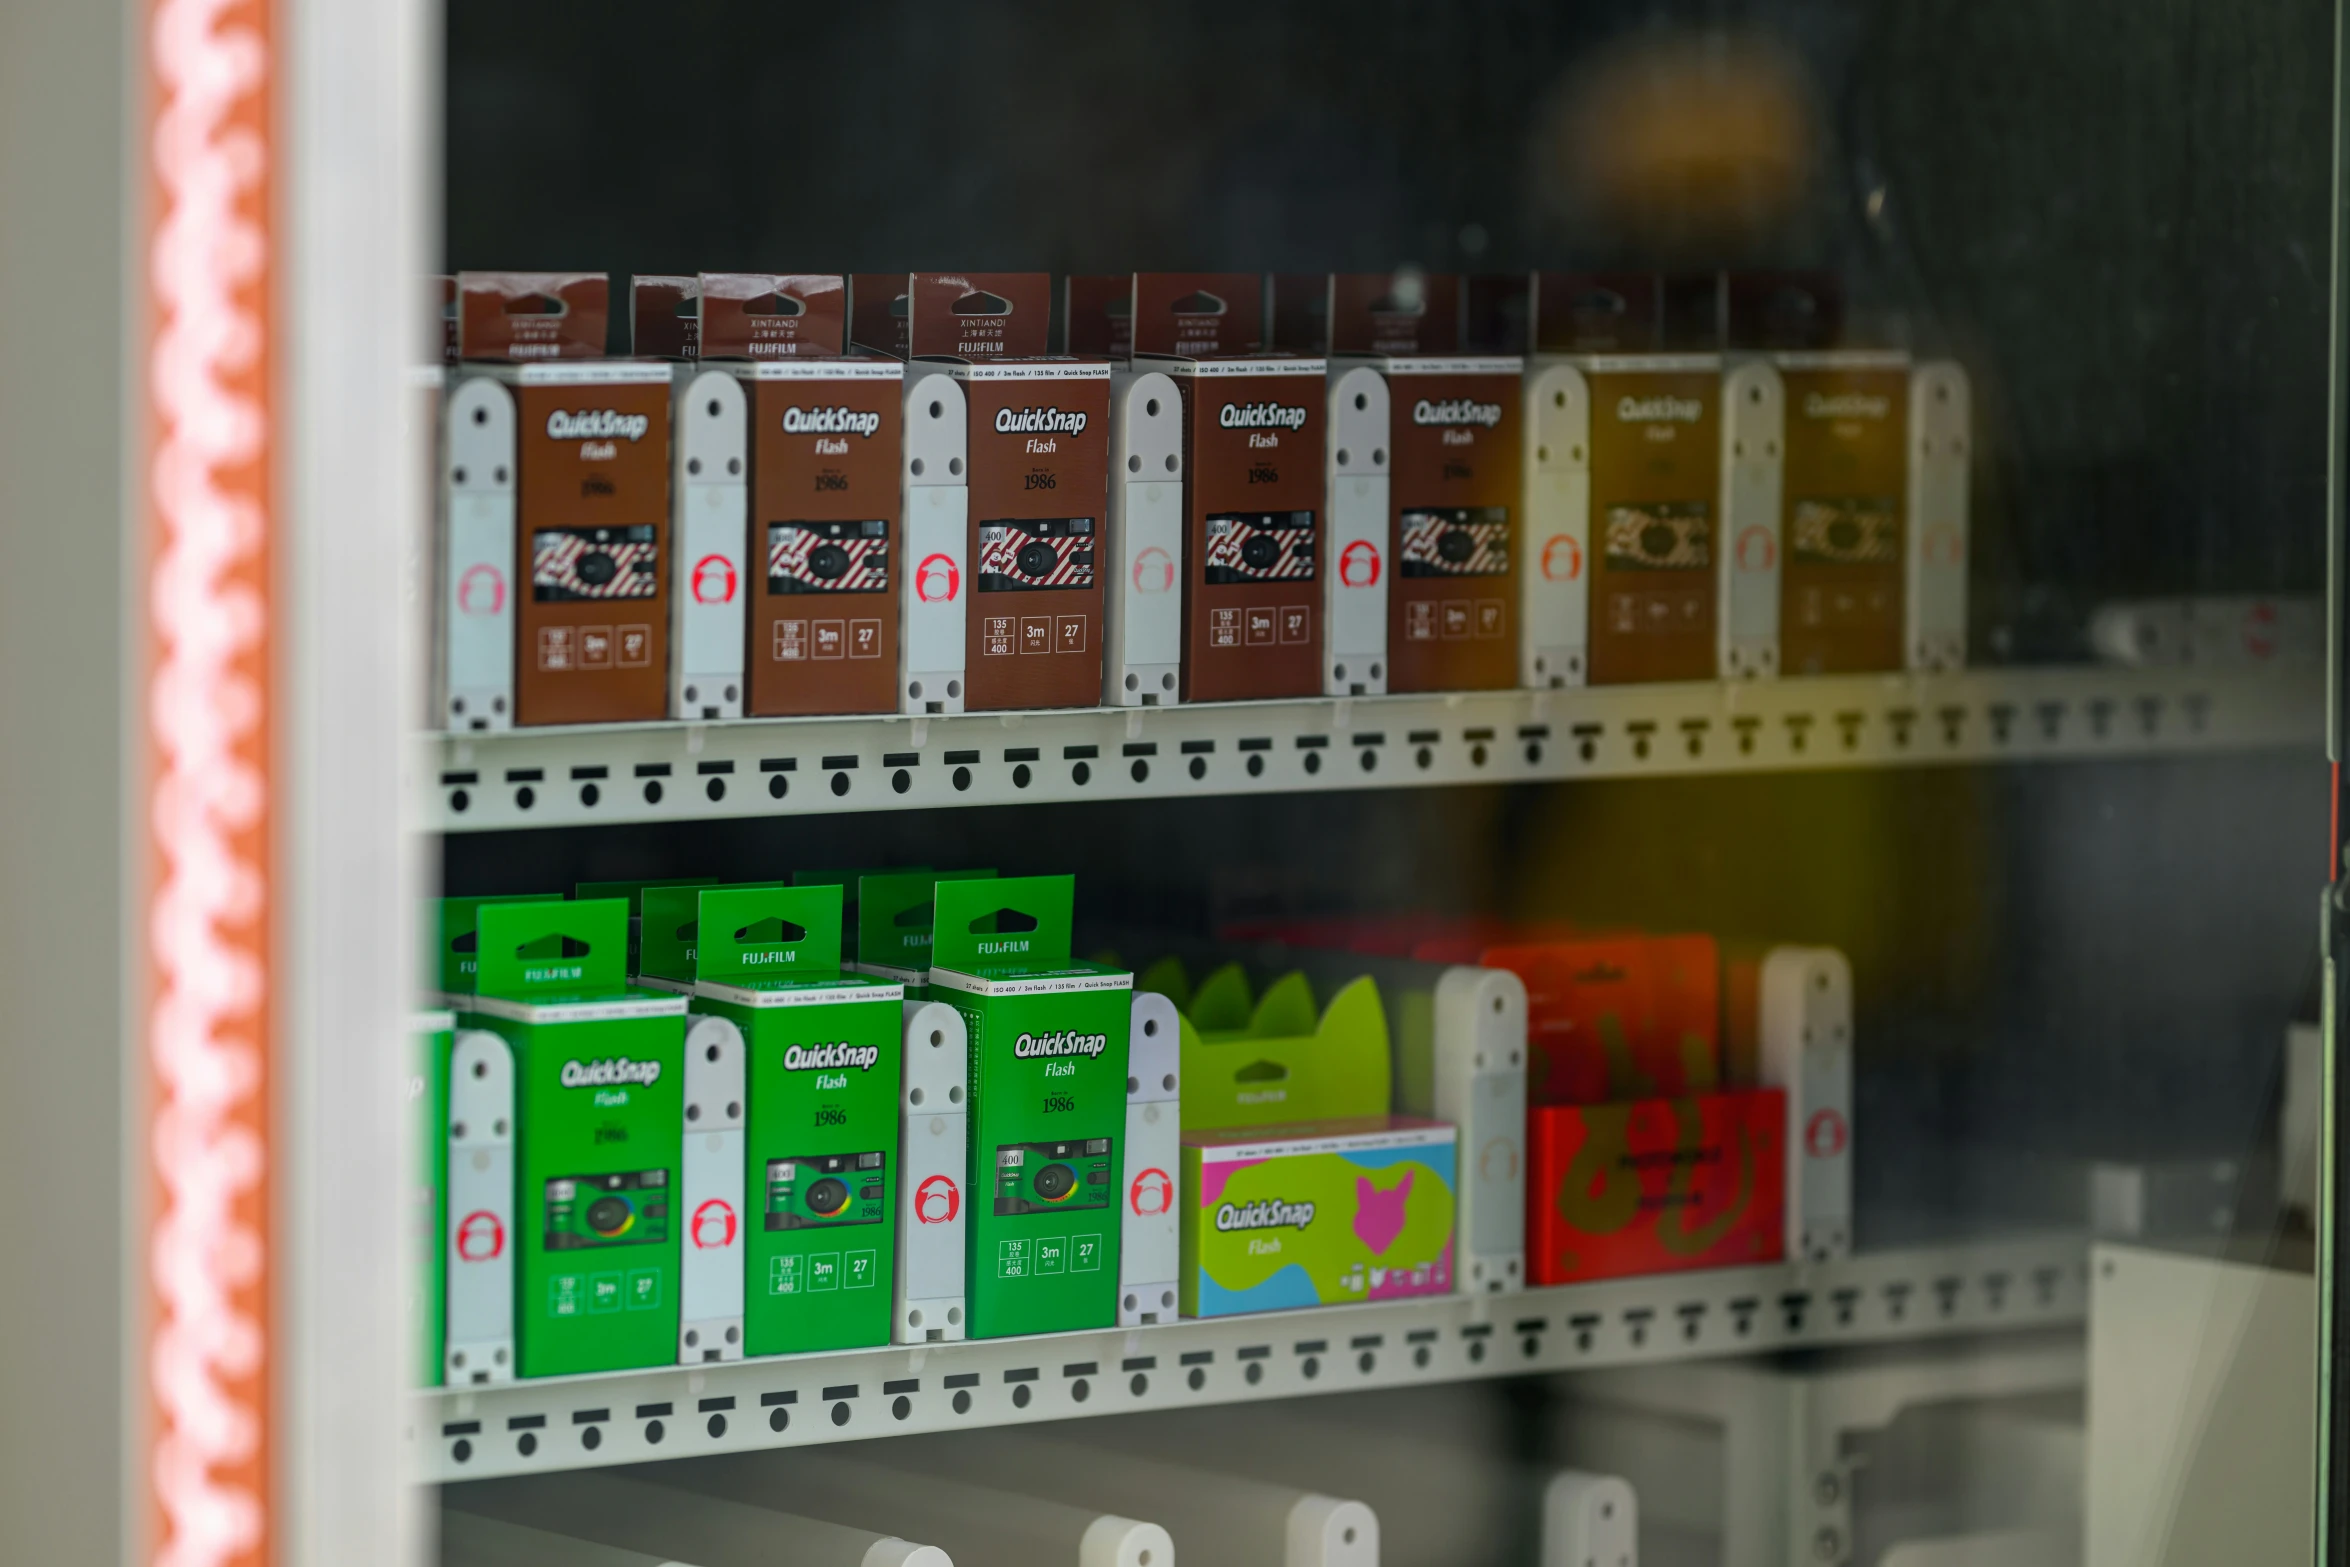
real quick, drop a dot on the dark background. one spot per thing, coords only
(2113, 211)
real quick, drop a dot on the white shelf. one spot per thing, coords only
(682, 772)
(794, 1400)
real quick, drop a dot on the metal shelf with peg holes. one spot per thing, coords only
(628, 1417)
(683, 772)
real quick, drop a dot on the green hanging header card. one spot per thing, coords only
(1013, 922)
(768, 933)
(530, 951)
(894, 915)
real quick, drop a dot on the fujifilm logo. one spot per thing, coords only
(787, 955)
(830, 421)
(1845, 405)
(1271, 1214)
(1063, 1043)
(1039, 421)
(608, 1074)
(989, 949)
(1652, 410)
(1456, 410)
(830, 1058)
(1261, 416)
(596, 424)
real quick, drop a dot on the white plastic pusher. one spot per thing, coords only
(710, 1266)
(1590, 1520)
(1221, 1519)
(615, 1510)
(1747, 544)
(1354, 589)
(980, 1525)
(1806, 1049)
(479, 1245)
(470, 1540)
(935, 576)
(1150, 1249)
(475, 601)
(934, 1129)
(1940, 448)
(1555, 585)
(710, 571)
(1142, 664)
(1477, 1081)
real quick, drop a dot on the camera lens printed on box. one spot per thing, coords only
(1660, 536)
(1263, 546)
(630, 1209)
(1459, 541)
(1855, 531)
(828, 557)
(1052, 1177)
(568, 565)
(824, 1191)
(1037, 553)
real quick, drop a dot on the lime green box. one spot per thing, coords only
(1048, 1041)
(599, 1108)
(1323, 1214)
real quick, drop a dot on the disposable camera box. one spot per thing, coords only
(430, 1035)
(1844, 485)
(1655, 471)
(1455, 422)
(1038, 439)
(893, 924)
(1611, 1018)
(1655, 1186)
(1048, 1041)
(1276, 1062)
(826, 439)
(1321, 1214)
(591, 491)
(1256, 537)
(821, 1155)
(599, 1108)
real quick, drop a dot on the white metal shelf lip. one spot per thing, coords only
(665, 772)
(2032, 1281)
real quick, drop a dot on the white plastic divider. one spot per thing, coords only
(565, 777)
(793, 1400)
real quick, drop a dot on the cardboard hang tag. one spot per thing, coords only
(553, 948)
(1198, 315)
(768, 933)
(1019, 922)
(532, 316)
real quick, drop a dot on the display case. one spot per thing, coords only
(1538, 786)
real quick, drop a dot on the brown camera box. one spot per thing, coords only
(591, 498)
(826, 540)
(1455, 424)
(1256, 533)
(1844, 486)
(1039, 441)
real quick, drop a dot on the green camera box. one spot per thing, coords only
(634, 892)
(823, 1052)
(893, 925)
(1048, 1042)
(430, 1036)
(600, 1109)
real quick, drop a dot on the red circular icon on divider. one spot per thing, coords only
(1562, 559)
(713, 580)
(713, 1226)
(1153, 1193)
(1358, 564)
(1154, 571)
(936, 1200)
(2260, 630)
(1824, 1135)
(1757, 550)
(480, 1237)
(482, 590)
(936, 581)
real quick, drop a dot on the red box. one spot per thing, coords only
(1618, 1018)
(1655, 1186)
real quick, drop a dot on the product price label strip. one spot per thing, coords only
(673, 1412)
(667, 771)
